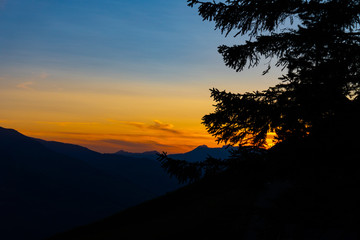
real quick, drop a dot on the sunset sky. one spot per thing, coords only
(113, 75)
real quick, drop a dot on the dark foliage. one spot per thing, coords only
(317, 98)
(306, 185)
(320, 90)
(186, 171)
(289, 194)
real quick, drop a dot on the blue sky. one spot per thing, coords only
(156, 40)
(128, 36)
(74, 63)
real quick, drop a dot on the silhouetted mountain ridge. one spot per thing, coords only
(297, 190)
(199, 153)
(47, 187)
(141, 169)
(202, 152)
(147, 154)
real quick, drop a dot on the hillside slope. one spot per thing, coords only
(201, 153)
(143, 170)
(43, 192)
(200, 210)
(298, 191)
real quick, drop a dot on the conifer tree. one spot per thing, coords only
(316, 43)
(321, 53)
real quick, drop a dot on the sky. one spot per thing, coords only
(114, 75)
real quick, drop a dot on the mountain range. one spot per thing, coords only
(48, 187)
(296, 190)
(57, 191)
(200, 153)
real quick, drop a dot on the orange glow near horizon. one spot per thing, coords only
(136, 120)
(111, 136)
(95, 80)
(110, 117)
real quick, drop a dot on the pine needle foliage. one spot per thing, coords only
(316, 43)
(321, 55)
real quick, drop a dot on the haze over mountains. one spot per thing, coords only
(49, 187)
(200, 153)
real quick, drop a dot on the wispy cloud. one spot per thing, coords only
(139, 145)
(157, 125)
(163, 127)
(114, 135)
(65, 124)
(102, 135)
(43, 75)
(33, 80)
(134, 142)
(133, 135)
(26, 85)
(149, 145)
(140, 125)
(4, 121)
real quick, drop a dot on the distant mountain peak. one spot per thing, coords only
(9, 131)
(203, 146)
(201, 153)
(121, 152)
(147, 154)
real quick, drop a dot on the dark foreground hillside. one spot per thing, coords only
(298, 191)
(204, 208)
(50, 187)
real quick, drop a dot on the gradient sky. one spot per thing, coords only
(113, 74)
